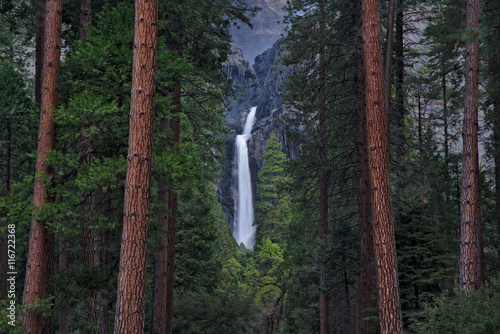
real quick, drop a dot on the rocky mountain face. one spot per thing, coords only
(259, 85)
(266, 28)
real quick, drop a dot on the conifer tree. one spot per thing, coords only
(41, 240)
(469, 203)
(273, 209)
(383, 224)
(130, 304)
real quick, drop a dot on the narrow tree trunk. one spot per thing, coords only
(446, 135)
(481, 279)
(388, 64)
(6, 191)
(399, 111)
(131, 298)
(39, 35)
(470, 167)
(445, 120)
(40, 240)
(159, 312)
(496, 141)
(85, 18)
(63, 265)
(172, 222)
(383, 225)
(323, 173)
(419, 110)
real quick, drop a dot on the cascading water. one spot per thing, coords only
(244, 232)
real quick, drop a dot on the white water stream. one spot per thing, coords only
(244, 232)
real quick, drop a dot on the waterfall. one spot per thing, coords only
(244, 232)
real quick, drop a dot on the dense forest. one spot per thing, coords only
(153, 180)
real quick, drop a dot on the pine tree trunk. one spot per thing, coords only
(494, 92)
(323, 174)
(159, 312)
(366, 283)
(173, 216)
(6, 191)
(383, 225)
(496, 141)
(39, 36)
(388, 64)
(164, 269)
(131, 298)
(469, 201)
(85, 18)
(63, 265)
(40, 240)
(399, 111)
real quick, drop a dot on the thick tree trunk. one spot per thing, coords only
(470, 168)
(383, 225)
(131, 298)
(41, 241)
(366, 283)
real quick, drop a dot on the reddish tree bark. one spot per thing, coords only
(383, 225)
(366, 283)
(130, 304)
(469, 203)
(40, 240)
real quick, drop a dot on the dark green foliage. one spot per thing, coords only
(315, 51)
(273, 209)
(203, 313)
(479, 313)
(425, 252)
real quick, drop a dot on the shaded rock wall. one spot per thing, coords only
(267, 28)
(259, 85)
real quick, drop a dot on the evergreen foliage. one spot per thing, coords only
(273, 209)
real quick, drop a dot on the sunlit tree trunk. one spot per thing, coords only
(41, 241)
(131, 298)
(383, 225)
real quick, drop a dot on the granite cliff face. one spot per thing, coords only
(267, 28)
(259, 85)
